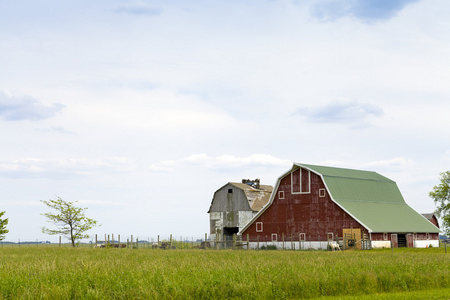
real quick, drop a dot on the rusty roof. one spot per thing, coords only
(257, 198)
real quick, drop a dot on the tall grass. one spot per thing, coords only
(81, 273)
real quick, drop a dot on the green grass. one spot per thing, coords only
(84, 273)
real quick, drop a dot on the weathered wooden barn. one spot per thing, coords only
(312, 205)
(234, 205)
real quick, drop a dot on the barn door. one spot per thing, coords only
(410, 240)
(394, 240)
(353, 237)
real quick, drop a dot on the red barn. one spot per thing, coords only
(312, 205)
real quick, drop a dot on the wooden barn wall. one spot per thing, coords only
(417, 236)
(294, 213)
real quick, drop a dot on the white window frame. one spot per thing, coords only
(280, 194)
(302, 237)
(274, 237)
(385, 236)
(428, 236)
(415, 235)
(332, 236)
(322, 193)
(260, 225)
(301, 190)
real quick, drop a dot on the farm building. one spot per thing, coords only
(234, 205)
(312, 205)
(432, 218)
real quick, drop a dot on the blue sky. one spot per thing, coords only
(140, 110)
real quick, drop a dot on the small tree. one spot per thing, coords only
(69, 219)
(441, 196)
(3, 223)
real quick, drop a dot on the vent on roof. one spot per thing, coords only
(252, 183)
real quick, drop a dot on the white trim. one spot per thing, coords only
(302, 237)
(322, 193)
(274, 239)
(300, 181)
(280, 195)
(261, 226)
(385, 236)
(328, 235)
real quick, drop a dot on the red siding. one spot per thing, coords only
(302, 213)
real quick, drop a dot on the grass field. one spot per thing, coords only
(85, 273)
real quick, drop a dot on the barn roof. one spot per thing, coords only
(257, 198)
(372, 199)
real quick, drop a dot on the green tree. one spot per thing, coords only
(69, 220)
(3, 223)
(441, 196)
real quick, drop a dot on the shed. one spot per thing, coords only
(312, 205)
(234, 205)
(432, 218)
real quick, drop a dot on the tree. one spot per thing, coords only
(441, 196)
(3, 223)
(69, 219)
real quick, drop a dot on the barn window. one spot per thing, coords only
(330, 236)
(322, 193)
(415, 235)
(281, 195)
(259, 226)
(385, 236)
(230, 191)
(302, 236)
(428, 236)
(274, 237)
(301, 181)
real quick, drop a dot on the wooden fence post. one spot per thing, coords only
(217, 241)
(112, 238)
(158, 240)
(282, 235)
(257, 241)
(234, 241)
(60, 240)
(170, 242)
(248, 242)
(206, 240)
(137, 242)
(131, 244)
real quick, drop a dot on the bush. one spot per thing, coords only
(269, 247)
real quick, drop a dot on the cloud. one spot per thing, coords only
(139, 9)
(365, 10)
(63, 168)
(342, 112)
(14, 108)
(57, 129)
(222, 162)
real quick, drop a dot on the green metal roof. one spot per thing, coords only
(372, 199)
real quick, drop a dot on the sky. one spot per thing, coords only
(141, 110)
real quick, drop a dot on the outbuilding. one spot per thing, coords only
(312, 205)
(234, 205)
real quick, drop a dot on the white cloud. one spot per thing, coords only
(139, 8)
(222, 162)
(18, 108)
(347, 112)
(62, 168)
